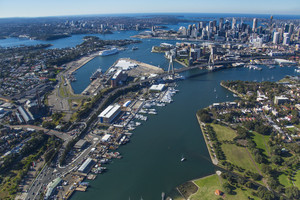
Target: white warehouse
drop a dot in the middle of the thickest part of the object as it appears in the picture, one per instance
(110, 113)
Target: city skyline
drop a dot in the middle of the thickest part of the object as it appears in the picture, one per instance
(33, 8)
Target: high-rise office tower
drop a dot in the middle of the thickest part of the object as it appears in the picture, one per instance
(276, 38)
(286, 28)
(189, 30)
(200, 25)
(233, 23)
(214, 23)
(210, 25)
(221, 23)
(291, 29)
(254, 24)
(286, 39)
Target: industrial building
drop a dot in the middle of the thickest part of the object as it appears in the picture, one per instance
(118, 77)
(23, 115)
(86, 166)
(81, 144)
(109, 114)
(125, 65)
(157, 88)
(51, 187)
(106, 138)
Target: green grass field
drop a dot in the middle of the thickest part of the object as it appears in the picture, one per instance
(238, 156)
(208, 185)
(283, 180)
(223, 132)
(261, 142)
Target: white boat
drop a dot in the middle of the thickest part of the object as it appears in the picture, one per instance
(152, 113)
(108, 52)
(138, 123)
(182, 159)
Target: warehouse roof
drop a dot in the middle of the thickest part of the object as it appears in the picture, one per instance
(110, 111)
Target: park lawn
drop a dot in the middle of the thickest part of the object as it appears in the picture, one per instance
(208, 185)
(238, 156)
(297, 179)
(298, 125)
(283, 180)
(262, 142)
(223, 132)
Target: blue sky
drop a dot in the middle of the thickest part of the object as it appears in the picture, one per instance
(36, 8)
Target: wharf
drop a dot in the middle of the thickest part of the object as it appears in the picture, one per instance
(75, 65)
(81, 188)
(68, 194)
(92, 87)
(91, 176)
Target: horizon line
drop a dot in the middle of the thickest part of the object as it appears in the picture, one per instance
(146, 13)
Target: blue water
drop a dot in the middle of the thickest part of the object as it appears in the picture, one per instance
(65, 42)
(151, 163)
(143, 54)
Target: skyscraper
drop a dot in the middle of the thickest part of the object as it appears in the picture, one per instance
(276, 38)
(221, 23)
(291, 29)
(286, 39)
(200, 25)
(210, 25)
(233, 23)
(286, 28)
(254, 24)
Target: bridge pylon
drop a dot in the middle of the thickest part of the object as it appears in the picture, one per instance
(211, 62)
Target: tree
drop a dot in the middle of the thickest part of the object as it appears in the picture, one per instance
(276, 159)
(255, 176)
(241, 180)
(249, 184)
(48, 125)
(242, 133)
(49, 155)
(266, 169)
(276, 150)
(264, 194)
(263, 129)
(292, 193)
(258, 158)
(205, 118)
(272, 183)
(249, 125)
(227, 188)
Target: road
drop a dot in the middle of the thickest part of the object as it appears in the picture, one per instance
(49, 173)
(64, 136)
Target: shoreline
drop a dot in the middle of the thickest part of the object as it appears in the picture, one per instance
(73, 66)
(77, 64)
(233, 91)
(214, 160)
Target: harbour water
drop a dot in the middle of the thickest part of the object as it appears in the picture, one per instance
(151, 161)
